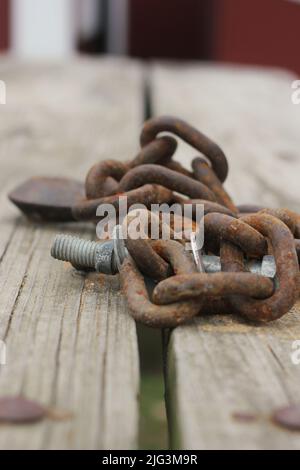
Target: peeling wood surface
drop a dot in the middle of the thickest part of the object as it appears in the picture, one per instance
(70, 342)
(221, 369)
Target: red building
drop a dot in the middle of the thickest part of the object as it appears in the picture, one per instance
(262, 32)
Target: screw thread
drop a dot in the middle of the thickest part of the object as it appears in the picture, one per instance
(77, 251)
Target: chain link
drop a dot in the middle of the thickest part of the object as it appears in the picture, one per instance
(240, 235)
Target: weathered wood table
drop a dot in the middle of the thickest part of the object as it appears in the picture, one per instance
(70, 341)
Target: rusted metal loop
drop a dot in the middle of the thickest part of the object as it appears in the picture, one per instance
(208, 206)
(168, 178)
(297, 224)
(290, 218)
(287, 269)
(140, 305)
(142, 249)
(249, 208)
(219, 227)
(148, 262)
(147, 195)
(206, 175)
(163, 230)
(284, 215)
(102, 179)
(187, 286)
(297, 246)
(158, 150)
(216, 306)
(189, 134)
(176, 255)
(176, 166)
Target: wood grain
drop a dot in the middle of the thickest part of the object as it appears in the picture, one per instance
(249, 112)
(220, 368)
(71, 344)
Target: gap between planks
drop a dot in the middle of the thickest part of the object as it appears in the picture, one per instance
(217, 366)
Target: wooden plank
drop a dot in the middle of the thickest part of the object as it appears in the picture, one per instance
(249, 112)
(70, 341)
(220, 366)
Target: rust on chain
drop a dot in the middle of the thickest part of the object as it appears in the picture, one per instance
(290, 218)
(176, 166)
(186, 286)
(141, 249)
(147, 222)
(216, 306)
(147, 195)
(249, 208)
(208, 206)
(158, 150)
(219, 227)
(287, 271)
(297, 246)
(183, 226)
(102, 179)
(297, 225)
(237, 233)
(206, 175)
(284, 215)
(189, 134)
(170, 179)
(140, 305)
(231, 257)
(148, 262)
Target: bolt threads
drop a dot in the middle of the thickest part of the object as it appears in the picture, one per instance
(77, 251)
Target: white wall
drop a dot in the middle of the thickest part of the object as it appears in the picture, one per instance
(48, 29)
(43, 29)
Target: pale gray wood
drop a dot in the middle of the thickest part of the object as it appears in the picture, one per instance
(218, 366)
(249, 112)
(70, 342)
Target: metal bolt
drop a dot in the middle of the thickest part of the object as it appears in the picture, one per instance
(107, 257)
(266, 267)
(104, 257)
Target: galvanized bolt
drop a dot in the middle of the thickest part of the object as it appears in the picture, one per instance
(107, 257)
(266, 267)
(104, 257)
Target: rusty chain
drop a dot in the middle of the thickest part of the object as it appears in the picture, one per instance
(235, 233)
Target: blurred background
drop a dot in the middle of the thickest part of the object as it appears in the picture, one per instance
(258, 32)
(239, 31)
